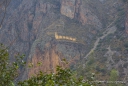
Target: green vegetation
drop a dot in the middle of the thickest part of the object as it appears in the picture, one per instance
(9, 72)
(113, 77)
(63, 77)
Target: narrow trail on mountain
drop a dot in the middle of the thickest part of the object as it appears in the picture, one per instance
(110, 30)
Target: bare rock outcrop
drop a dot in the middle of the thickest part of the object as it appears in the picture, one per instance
(75, 9)
(68, 8)
(46, 61)
(126, 22)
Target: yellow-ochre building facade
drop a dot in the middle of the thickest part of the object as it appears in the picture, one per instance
(64, 37)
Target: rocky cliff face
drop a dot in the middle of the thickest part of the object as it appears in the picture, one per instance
(30, 28)
(126, 21)
(45, 61)
(76, 9)
(68, 8)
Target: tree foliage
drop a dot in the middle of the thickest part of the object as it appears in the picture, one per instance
(9, 72)
(63, 77)
(6, 71)
(113, 77)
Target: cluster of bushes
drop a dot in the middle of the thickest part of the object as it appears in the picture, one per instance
(9, 72)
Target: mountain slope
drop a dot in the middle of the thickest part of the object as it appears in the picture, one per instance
(31, 25)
